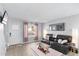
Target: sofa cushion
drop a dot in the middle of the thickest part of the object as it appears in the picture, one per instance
(61, 48)
(63, 41)
(59, 41)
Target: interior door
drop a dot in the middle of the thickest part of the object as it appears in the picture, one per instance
(14, 33)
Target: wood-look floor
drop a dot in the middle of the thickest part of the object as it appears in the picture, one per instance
(19, 50)
(24, 50)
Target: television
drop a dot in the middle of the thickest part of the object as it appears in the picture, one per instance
(57, 27)
(4, 18)
(1, 17)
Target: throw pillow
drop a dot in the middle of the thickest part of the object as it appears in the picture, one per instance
(59, 40)
(64, 41)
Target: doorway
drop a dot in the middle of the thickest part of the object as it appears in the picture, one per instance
(30, 32)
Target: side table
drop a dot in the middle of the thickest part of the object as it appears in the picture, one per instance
(75, 50)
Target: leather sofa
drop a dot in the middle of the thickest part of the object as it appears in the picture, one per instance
(64, 48)
(61, 48)
(46, 41)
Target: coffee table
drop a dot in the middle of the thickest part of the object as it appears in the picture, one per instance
(37, 52)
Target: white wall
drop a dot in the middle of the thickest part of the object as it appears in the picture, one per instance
(15, 27)
(2, 37)
(40, 31)
(2, 41)
(71, 23)
(17, 34)
(1, 10)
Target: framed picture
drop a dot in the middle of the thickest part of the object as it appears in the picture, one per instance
(57, 27)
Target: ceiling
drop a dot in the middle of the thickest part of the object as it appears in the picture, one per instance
(40, 12)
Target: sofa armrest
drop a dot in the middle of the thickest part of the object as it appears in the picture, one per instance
(61, 48)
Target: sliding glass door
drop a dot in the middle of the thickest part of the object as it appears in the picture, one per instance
(30, 32)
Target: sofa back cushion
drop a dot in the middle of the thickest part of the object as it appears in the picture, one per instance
(64, 41)
(65, 37)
